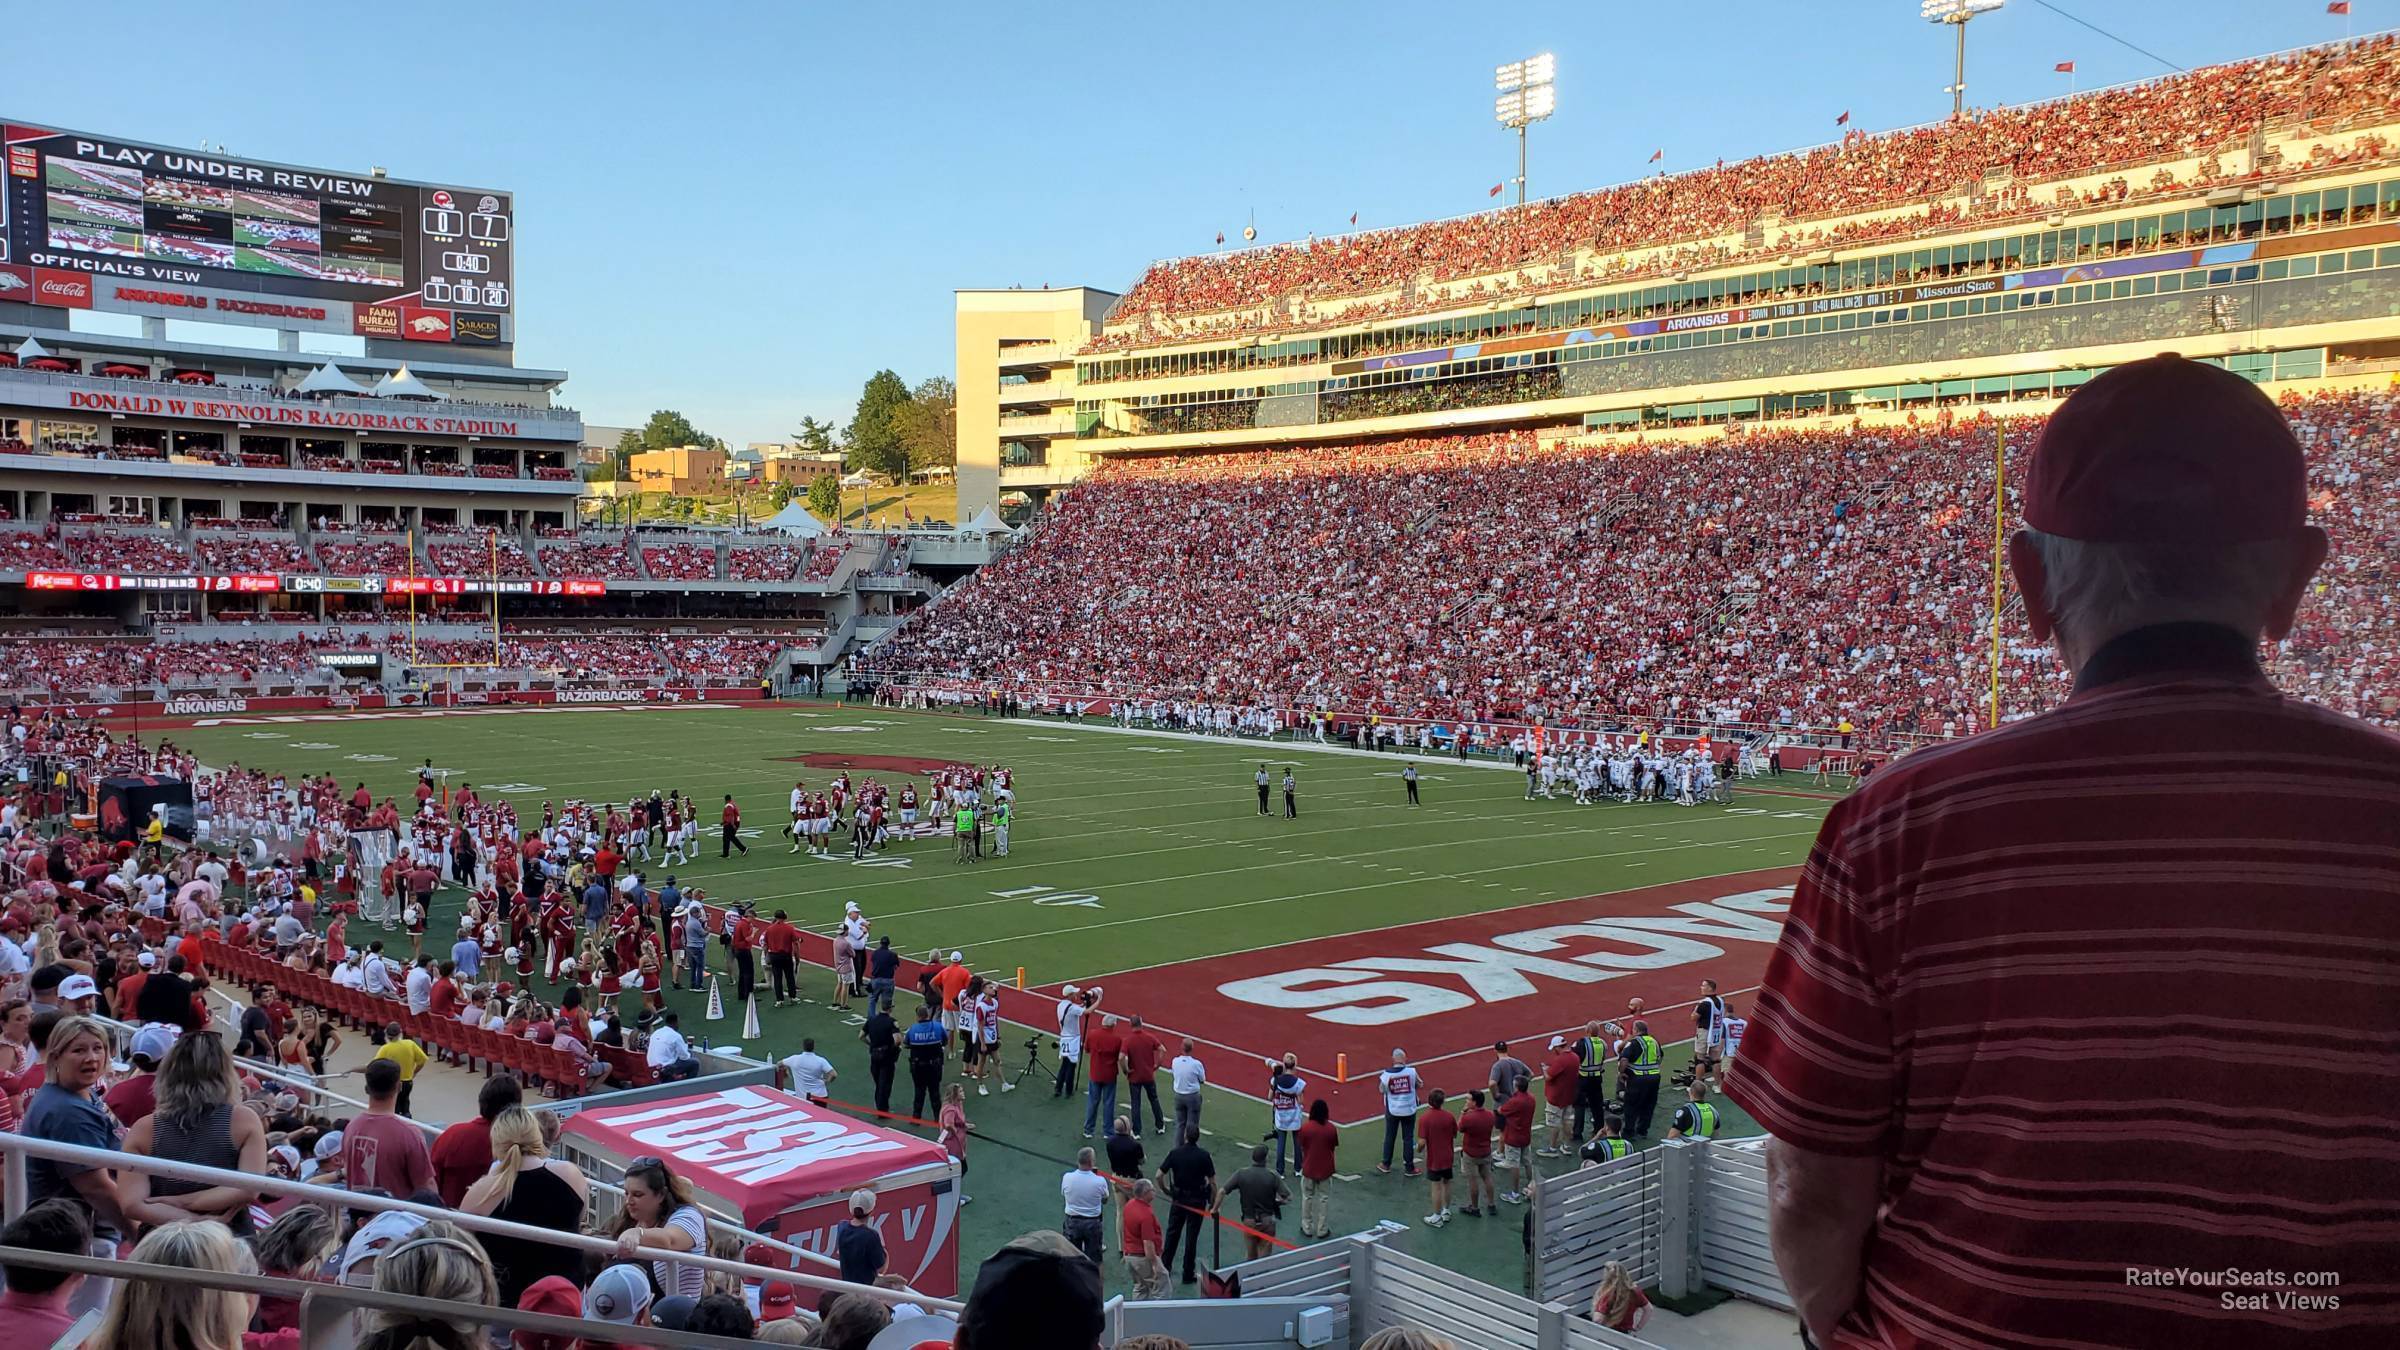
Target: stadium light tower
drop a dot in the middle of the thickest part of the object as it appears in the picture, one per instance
(1956, 13)
(1528, 95)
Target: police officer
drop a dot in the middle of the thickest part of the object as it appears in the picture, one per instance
(1638, 1081)
(1408, 775)
(927, 1044)
(1591, 1078)
(1610, 1144)
(1697, 1117)
(1262, 791)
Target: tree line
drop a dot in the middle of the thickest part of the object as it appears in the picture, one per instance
(894, 431)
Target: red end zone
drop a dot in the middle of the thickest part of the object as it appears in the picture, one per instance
(1446, 989)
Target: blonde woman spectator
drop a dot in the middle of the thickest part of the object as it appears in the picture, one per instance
(199, 1120)
(154, 1314)
(1619, 1304)
(440, 1262)
(528, 1186)
(1406, 1338)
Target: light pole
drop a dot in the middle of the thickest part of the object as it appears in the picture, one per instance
(1527, 95)
(1956, 13)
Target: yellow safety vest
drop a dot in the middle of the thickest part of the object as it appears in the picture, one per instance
(1595, 1058)
(1645, 1060)
(1611, 1149)
(1705, 1117)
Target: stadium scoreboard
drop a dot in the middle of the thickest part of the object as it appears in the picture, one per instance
(101, 223)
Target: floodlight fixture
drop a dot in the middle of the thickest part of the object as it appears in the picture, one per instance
(1957, 13)
(1528, 94)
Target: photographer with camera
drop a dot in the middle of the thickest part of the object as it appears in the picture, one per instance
(1073, 1004)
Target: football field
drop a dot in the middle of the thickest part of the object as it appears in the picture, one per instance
(1140, 863)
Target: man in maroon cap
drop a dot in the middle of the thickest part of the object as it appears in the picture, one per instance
(2070, 1011)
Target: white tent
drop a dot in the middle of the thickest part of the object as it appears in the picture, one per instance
(401, 384)
(29, 349)
(986, 521)
(859, 479)
(326, 380)
(794, 519)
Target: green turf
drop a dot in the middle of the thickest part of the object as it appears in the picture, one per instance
(1161, 831)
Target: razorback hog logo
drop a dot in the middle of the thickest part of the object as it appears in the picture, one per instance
(183, 707)
(829, 759)
(1361, 992)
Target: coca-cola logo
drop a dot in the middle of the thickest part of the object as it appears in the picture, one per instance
(69, 290)
(185, 707)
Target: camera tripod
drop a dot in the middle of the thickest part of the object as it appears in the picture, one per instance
(1033, 1061)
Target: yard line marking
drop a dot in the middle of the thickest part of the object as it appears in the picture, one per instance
(1312, 895)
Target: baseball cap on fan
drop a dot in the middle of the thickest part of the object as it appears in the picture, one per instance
(2166, 450)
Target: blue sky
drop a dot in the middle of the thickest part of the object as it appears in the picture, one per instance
(742, 210)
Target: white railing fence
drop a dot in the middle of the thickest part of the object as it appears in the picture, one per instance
(1733, 1250)
(1370, 1283)
(1583, 1221)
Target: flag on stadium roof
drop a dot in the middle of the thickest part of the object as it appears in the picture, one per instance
(1220, 236)
(1844, 119)
(1494, 192)
(2338, 7)
(1657, 155)
(1354, 217)
(2064, 67)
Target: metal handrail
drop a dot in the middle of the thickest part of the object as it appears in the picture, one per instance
(728, 1222)
(18, 1148)
(350, 1298)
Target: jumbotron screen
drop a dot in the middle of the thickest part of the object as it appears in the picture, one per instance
(153, 230)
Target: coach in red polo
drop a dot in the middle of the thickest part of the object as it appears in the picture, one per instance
(2065, 1010)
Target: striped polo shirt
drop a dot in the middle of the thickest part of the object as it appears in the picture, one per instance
(2115, 994)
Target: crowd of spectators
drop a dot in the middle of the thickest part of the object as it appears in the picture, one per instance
(824, 559)
(1698, 219)
(457, 556)
(27, 550)
(251, 553)
(764, 562)
(147, 551)
(587, 557)
(1790, 578)
(363, 555)
(85, 667)
(682, 562)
